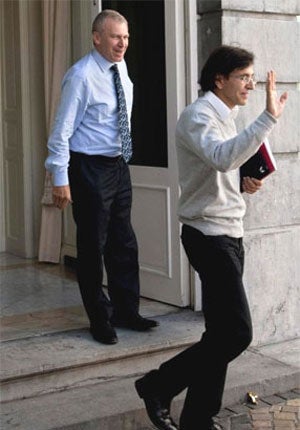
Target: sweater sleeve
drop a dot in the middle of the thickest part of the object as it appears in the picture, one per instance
(216, 142)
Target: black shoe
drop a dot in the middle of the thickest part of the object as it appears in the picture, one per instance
(158, 410)
(211, 424)
(104, 333)
(136, 322)
(216, 426)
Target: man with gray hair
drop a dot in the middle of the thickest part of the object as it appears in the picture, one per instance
(89, 148)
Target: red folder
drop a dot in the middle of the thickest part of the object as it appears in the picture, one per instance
(261, 164)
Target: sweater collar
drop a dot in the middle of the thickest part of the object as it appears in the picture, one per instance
(222, 109)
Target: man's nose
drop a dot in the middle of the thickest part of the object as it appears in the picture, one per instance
(251, 84)
(122, 42)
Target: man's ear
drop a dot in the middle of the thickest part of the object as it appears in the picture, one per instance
(96, 38)
(219, 81)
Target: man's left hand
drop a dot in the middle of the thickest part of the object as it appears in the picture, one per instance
(61, 196)
(275, 104)
(251, 185)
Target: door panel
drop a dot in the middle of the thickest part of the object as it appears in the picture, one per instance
(23, 125)
(153, 202)
(12, 130)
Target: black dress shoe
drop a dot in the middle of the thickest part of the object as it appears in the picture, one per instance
(104, 333)
(158, 410)
(135, 322)
(211, 424)
(216, 426)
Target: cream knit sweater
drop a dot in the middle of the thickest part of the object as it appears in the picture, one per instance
(209, 153)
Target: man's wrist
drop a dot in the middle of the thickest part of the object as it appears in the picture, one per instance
(60, 179)
(271, 116)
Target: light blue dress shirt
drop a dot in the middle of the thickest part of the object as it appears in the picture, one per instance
(87, 116)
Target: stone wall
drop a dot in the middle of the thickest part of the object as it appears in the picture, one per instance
(269, 28)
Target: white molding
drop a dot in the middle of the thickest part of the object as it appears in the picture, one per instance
(192, 88)
(95, 8)
(82, 17)
(2, 208)
(26, 127)
(191, 40)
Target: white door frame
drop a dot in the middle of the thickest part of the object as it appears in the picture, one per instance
(192, 89)
(2, 208)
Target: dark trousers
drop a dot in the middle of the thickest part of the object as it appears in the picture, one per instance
(219, 261)
(102, 196)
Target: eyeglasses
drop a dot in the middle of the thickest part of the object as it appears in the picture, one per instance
(246, 79)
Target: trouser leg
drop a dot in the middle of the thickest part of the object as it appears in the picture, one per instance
(121, 251)
(102, 197)
(202, 367)
(93, 187)
(219, 260)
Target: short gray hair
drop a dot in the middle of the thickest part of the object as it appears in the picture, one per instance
(100, 19)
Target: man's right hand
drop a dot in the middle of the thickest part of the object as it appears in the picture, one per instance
(61, 196)
(275, 105)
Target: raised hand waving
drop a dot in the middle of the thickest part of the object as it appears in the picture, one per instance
(275, 105)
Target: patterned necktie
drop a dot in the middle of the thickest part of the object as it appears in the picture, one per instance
(123, 117)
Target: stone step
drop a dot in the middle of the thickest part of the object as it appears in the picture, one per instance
(58, 361)
(114, 404)
(66, 380)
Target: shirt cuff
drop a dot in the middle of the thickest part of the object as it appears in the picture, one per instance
(60, 179)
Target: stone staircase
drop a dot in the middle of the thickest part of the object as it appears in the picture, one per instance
(65, 380)
(59, 361)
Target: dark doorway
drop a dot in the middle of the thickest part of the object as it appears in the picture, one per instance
(146, 65)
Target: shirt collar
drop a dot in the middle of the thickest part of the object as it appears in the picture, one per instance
(104, 64)
(223, 110)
